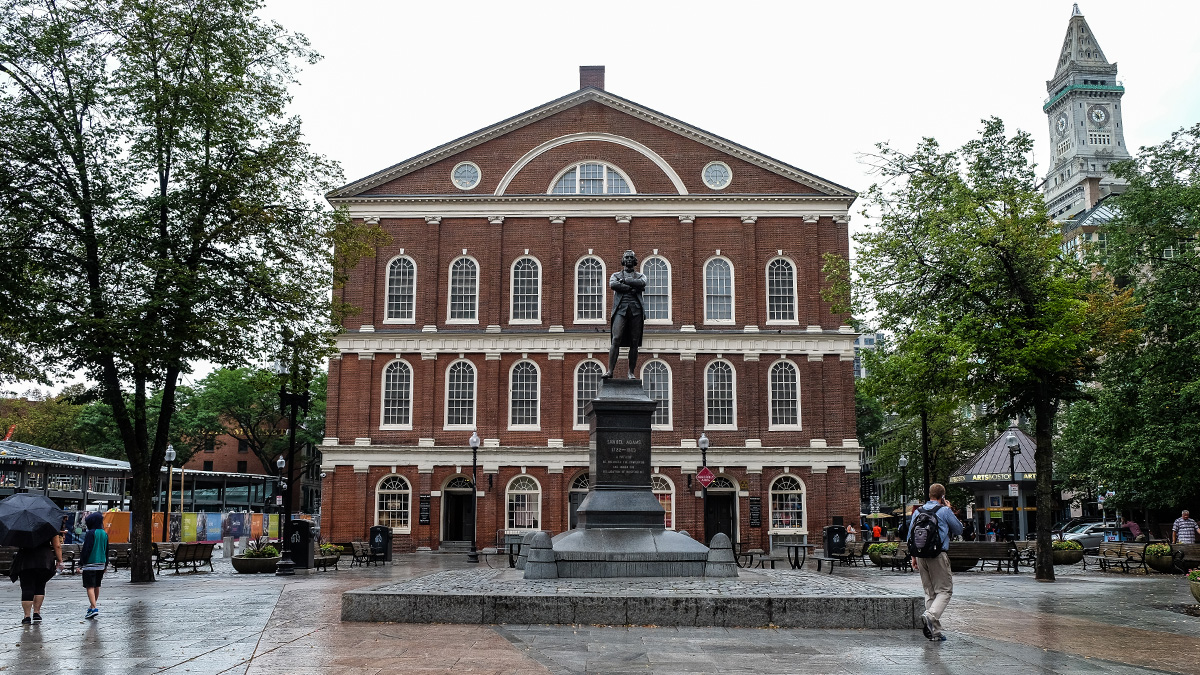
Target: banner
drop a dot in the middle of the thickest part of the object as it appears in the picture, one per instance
(156, 527)
(273, 531)
(116, 524)
(174, 526)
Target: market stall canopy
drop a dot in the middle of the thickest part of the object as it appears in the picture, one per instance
(991, 464)
(880, 515)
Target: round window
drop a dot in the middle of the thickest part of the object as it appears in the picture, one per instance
(465, 175)
(717, 175)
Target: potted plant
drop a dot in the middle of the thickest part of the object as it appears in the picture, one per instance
(1066, 551)
(1193, 577)
(876, 552)
(1158, 556)
(258, 557)
(327, 554)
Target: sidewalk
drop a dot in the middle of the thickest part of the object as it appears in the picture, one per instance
(223, 622)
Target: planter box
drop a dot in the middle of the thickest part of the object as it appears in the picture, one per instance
(254, 565)
(1067, 557)
(1161, 563)
(1195, 585)
(323, 561)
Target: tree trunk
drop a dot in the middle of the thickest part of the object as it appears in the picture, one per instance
(925, 451)
(1044, 463)
(141, 505)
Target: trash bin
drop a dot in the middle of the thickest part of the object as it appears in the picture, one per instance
(381, 542)
(303, 543)
(834, 539)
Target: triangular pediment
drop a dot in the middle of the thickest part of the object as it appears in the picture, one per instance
(1080, 50)
(584, 96)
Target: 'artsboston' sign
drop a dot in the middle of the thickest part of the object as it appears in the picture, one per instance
(991, 477)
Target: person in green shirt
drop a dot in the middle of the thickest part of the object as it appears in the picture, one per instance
(95, 559)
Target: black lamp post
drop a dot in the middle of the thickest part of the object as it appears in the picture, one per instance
(903, 486)
(703, 443)
(293, 401)
(1014, 449)
(473, 556)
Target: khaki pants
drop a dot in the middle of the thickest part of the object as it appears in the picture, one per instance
(939, 586)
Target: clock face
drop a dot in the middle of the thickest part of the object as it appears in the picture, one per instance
(465, 176)
(1098, 115)
(1061, 124)
(717, 175)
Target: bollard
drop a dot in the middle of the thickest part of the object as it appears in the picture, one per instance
(540, 564)
(721, 562)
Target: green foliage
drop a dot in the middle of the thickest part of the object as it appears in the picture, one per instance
(1193, 575)
(1158, 549)
(46, 421)
(883, 549)
(1066, 545)
(1140, 435)
(259, 548)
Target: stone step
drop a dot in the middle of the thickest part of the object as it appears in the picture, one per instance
(454, 547)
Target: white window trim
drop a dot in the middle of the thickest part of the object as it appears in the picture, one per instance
(537, 426)
(474, 398)
(674, 495)
(670, 291)
(396, 530)
(771, 529)
(733, 371)
(387, 271)
(450, 290)
(478, 176)
(704, 176)
(540, 493)
(607, 165)
(412, 373)
(512, 296)
(771, 426)
(795, 321)
(603, 291)
(670, 425)
(575, 391)
(732, 293)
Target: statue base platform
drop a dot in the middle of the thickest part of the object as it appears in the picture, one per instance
(628, 552)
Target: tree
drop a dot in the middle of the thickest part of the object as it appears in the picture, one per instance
(1140, 436)
(964, 260)
(158, 206)
(46, 421)
(244, 403)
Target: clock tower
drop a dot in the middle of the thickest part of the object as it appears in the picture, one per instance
(1083, 112)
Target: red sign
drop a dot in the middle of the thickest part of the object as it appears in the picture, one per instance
(10, 432)
(706, 477)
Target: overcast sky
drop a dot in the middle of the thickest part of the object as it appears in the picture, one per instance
(811, 84)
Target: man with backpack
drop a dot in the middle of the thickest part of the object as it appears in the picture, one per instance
(929, 533)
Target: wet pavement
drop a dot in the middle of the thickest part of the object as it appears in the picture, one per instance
(222, 622)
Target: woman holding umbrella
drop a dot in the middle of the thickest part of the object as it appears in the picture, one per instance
(31, 522)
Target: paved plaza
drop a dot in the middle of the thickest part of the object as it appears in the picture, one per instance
(222, 622)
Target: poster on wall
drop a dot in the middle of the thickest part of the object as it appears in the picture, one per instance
(174, 526)
(273, 527)
(188, 532)
(156, 527)
(256, 525)
(235, 525)
(994, 501)
(214, 527)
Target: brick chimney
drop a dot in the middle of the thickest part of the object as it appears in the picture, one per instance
(591, 76)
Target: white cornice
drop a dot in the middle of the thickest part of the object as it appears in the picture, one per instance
(570, 101)
(813, 344)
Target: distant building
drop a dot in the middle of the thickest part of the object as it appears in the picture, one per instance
(864, 341)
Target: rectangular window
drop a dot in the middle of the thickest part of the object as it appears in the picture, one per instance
(243, 445)
(210, 444)
(208, 465)
(591, 179)
(463, 290)
(589, 290)
(526, 287)
(1097, 138)
(657, 296)
(241, 467)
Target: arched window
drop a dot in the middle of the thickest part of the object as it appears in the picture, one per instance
(401, 291)
(577, 493)
(524, 504)
(394, 502)
(656, 380)
(657, 297)
(464, 291)
(720, 408)
(460, 396)
(718, 291)
(785, 395)
(665, 492)
(526, 291)
(397, 396)
(458, 483)
(781, 291)
(590, 290)
(787, 504)
(591, 178)
(587, 386)
(523, 396)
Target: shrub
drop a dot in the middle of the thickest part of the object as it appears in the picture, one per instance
(1066, 545)
(883, 549)
(259, 548)
(1158, 549)
(1193, 575)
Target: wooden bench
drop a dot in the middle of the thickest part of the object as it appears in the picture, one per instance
(194, 554)
(164, 553)
(363, 555)
(852, 556)
(7, 553)
(900, 561)
(1186, 556)
(70, 555)
(1123, 555)
(118, 555)
(1003, 553)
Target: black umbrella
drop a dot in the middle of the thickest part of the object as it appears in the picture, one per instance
(28, 519)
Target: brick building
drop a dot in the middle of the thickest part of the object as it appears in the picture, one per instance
(489, 311)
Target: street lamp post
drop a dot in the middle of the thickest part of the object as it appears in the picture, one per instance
(1014, 449)
(170, 457)
(903, 486)
(473, 556)
(703, 443)
(293, 401)
(286, 566)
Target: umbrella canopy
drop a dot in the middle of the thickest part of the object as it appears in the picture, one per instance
(877, 515)
(28, 519)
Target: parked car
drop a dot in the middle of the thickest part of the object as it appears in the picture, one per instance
(1063, 526)
(1089, 535)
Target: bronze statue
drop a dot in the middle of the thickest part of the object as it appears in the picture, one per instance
(627, 314)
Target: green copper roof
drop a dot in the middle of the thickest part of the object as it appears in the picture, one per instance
(1088, 87)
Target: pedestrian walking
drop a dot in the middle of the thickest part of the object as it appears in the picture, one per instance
(95, 559)
(929, 533)
(876, 532)
(850, 532)
(969, 530)
(33, 566)
(1184, 529)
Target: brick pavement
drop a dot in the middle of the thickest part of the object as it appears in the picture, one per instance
(227, 623)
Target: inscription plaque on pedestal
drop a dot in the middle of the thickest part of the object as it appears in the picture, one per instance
(622, 458)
